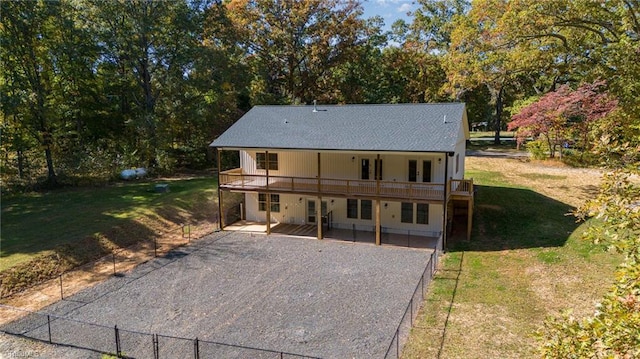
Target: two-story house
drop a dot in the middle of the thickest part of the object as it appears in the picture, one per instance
(399, 166)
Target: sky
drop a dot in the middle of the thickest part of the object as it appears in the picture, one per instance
(389, 10)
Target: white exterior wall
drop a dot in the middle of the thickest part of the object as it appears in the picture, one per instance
(293, 211)
(461, 147)
(395, 167)
(342, 165)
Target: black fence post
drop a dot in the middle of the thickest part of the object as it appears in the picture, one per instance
(49, 326)
(411, 312)
(408, 238)
(155, 247)
(434, 258)
(196, 349)
(113, 254)
(189, 232)
(154, 339)
(118, 352)
(398, 343)
(354, 232)
(61, 292)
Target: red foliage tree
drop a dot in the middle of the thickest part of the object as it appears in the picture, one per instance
(564, 115)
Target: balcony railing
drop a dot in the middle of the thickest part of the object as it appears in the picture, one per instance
(416, 191)
(461, 187)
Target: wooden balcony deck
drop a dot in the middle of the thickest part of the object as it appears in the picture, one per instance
(235, 180)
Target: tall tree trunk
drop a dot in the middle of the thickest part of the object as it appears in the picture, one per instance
(20, 156)
(52, 179)
(498, 119)
(45, 130)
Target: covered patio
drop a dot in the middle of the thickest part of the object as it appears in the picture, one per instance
(419, 240)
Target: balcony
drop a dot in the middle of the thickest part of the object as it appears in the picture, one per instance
(235, 180)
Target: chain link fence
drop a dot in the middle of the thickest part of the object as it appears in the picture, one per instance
(413, 307)
(123, 343)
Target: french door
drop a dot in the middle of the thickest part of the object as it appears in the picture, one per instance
(311, 211)
(414, 173)
(365, 169)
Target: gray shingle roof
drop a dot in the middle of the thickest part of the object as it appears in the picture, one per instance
(401, 127)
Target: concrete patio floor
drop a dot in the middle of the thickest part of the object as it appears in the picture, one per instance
(336, 234)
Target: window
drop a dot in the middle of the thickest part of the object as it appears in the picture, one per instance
(365, 209)
(262, 202)
(275, 203)
(352, 208)
(261, 161)
(422, 213)
(457, 163)
(406, 213)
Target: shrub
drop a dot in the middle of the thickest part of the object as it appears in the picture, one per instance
(539, 149)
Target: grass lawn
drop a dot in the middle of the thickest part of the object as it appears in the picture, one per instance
(37, 223)
(525, 262)
(490, 134)
(504, 146)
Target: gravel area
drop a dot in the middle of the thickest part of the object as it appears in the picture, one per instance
(325, 299)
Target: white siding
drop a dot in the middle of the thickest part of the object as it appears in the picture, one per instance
(460, 151)
(248, 161)
(292, 210)
(395, 167)
(347, 166)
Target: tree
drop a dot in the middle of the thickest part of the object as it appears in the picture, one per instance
(564, 115)
(293, 46)
(594, 40)
(476, 57)
(485, 52)
(28, 72)
(47, 72)
(433, 22)
(148, 54)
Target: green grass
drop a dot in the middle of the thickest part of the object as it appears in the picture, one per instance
(526, 261)
(489, 134)
(504, 146)
(39, 222)
(542, 176)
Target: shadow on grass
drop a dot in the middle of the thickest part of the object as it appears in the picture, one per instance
(60, 230)
(514, 218)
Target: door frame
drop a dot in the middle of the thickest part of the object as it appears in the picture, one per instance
(324, 209)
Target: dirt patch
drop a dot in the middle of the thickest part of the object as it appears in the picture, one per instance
(569, 185)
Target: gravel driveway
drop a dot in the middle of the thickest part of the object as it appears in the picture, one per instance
(325, 299)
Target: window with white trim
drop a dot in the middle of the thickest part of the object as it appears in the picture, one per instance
(275, 202)
(261, 161)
